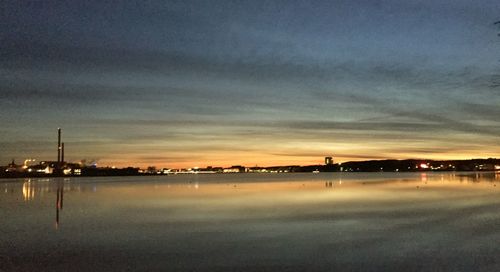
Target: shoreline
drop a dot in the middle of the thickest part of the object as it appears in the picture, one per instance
(235, 174)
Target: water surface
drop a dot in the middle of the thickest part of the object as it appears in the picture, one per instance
(258, 222)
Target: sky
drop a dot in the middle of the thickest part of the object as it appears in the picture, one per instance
(221, 83)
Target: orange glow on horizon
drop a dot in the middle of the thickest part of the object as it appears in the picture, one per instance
(267, 161)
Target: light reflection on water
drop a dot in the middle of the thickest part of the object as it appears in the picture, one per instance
(38, 187)
(347, 221)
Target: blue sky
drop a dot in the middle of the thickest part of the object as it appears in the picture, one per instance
(195, 83)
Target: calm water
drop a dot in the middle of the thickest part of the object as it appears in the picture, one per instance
(258, 222)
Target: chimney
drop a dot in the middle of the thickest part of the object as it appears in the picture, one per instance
(59, 145)
(62, 153)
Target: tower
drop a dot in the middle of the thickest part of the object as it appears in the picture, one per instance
(62, 153)
(59, 146)
(328, 161)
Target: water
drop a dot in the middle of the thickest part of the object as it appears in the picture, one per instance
(253, 222)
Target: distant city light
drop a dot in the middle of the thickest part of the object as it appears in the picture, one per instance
(424, 165)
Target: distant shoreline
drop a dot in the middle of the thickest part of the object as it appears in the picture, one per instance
(411, 165)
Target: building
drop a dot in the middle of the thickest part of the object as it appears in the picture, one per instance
(328, 161)
(235, 169)
(47, 167)
(13, 167)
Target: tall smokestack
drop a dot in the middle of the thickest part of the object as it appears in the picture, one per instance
(59, 145)
(62, 153)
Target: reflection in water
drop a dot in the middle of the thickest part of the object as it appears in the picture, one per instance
(477, 177)
(423, 177)
(42, 188)
(59, 201)
(379, 221)
(28, 190)
(38, 189)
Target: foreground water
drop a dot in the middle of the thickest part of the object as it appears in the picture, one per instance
(258, 222)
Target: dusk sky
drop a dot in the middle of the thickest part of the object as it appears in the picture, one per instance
(197, 83)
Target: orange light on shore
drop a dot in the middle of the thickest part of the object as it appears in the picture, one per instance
(424, 166)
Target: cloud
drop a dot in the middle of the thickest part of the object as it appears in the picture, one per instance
(230, 76)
